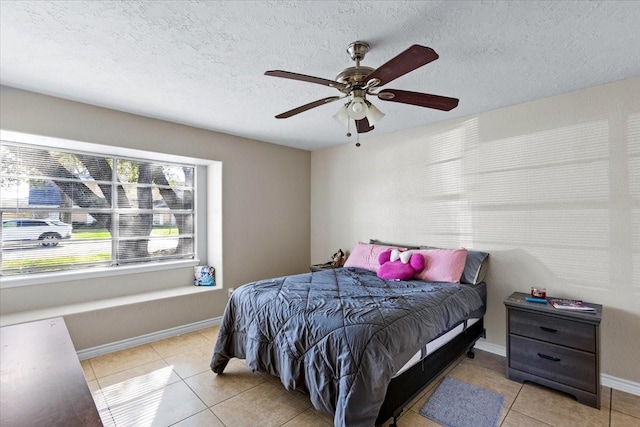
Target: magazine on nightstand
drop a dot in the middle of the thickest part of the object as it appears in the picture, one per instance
(570, 304)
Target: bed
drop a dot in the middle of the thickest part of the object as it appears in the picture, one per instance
(356, 344)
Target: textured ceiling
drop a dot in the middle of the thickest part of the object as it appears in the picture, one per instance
(202, 63)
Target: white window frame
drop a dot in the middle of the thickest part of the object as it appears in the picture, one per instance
(207, 213)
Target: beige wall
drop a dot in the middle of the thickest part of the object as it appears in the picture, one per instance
(266, 203)
(551, 188)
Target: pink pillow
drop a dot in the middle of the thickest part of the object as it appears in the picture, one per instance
(365, 255)
(443, 265)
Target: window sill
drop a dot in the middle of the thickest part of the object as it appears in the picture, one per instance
(67, 310)
(64, 276)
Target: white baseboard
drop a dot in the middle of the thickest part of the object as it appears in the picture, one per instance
(145, 339)
(606, 380)
(482, 344)
(620, 384)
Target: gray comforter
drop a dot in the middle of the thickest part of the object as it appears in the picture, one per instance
(338, 335)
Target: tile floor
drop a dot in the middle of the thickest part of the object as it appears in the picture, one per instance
(169, 383)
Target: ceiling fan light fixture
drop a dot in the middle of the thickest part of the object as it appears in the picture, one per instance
(373, 114)
(342, 116)
(357, 108)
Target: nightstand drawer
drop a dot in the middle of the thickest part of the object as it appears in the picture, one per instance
(574, 368)
(554, 330)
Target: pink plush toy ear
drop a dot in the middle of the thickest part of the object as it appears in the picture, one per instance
(384, 256)
(417, 262)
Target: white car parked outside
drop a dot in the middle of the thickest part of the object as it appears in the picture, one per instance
(45, 231)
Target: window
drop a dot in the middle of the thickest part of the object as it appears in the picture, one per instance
(63, 209)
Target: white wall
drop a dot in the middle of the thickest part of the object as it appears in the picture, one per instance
(550, 188)
(265, 226)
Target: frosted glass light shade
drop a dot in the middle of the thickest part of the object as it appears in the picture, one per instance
(342, 116)
(374, 115)
(357, 108)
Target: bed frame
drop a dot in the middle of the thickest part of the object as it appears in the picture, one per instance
(408, 385)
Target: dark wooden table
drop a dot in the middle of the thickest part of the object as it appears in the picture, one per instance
(41, 380)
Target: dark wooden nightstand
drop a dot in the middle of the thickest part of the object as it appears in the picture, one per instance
(555, 348)
(320, 267)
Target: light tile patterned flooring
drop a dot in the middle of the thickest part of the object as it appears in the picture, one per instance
(169, 383)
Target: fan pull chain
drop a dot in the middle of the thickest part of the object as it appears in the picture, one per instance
(349, 133)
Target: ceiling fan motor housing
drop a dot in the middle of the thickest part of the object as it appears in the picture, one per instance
(354, 77)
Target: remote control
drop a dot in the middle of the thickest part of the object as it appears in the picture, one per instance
(538, 300)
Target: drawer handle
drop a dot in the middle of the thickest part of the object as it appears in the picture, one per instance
(544, 356)
(548, 329)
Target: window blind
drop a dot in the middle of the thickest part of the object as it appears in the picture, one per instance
(121, 210)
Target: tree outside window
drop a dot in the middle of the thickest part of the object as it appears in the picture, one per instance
(122, 210)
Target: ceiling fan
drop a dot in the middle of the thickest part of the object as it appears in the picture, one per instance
(357, 82)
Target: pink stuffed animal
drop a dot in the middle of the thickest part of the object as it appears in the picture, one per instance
(396, 265)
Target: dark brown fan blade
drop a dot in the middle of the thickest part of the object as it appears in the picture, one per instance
(308, 106)
(363, 125)
(414, 57)
(420, 99)
(304, 78)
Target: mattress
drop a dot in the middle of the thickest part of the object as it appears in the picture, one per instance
(435, 344)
